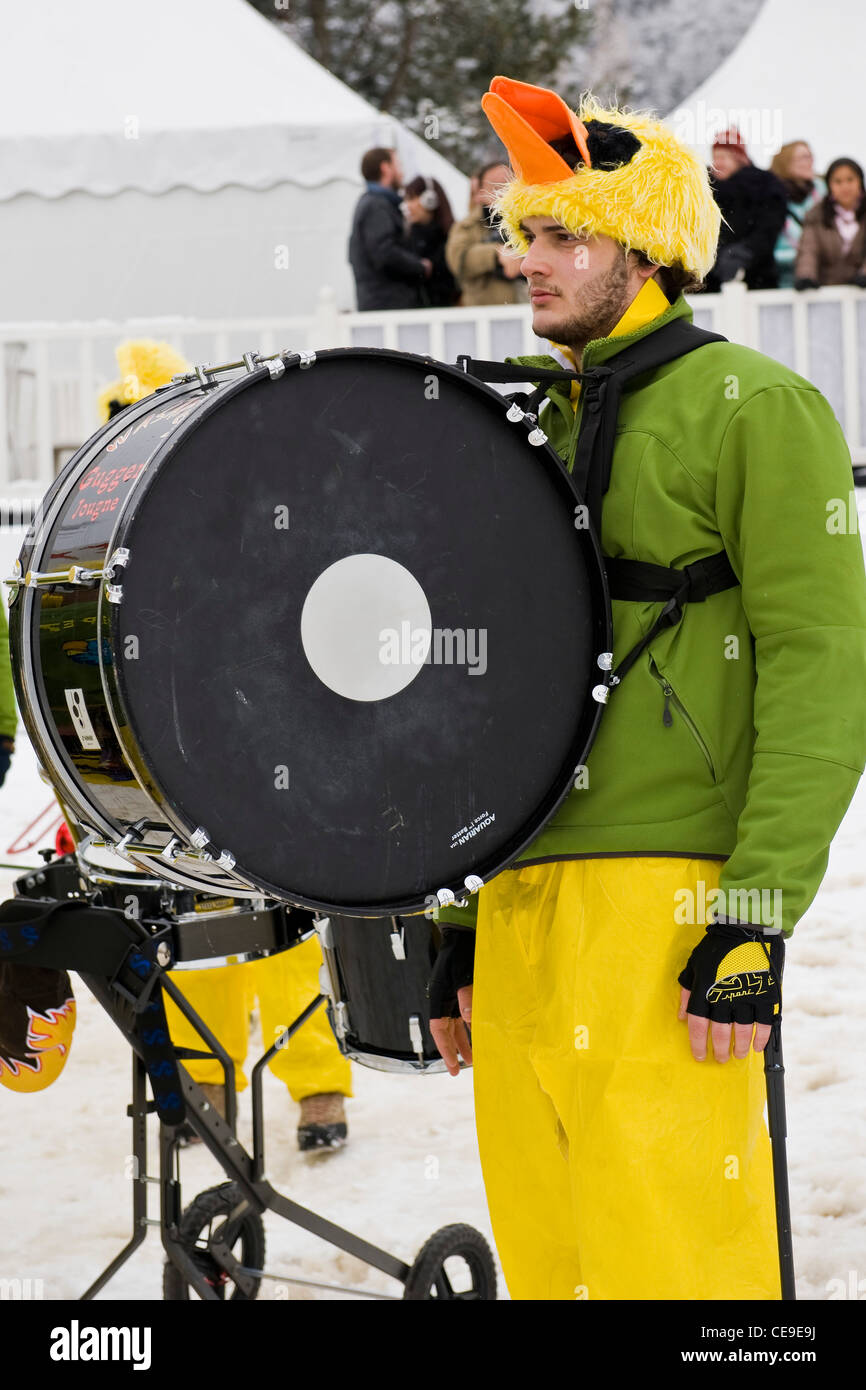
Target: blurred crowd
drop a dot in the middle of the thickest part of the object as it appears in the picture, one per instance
(407, 250)
(782, 227)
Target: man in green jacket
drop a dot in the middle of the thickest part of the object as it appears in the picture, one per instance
(643, 930)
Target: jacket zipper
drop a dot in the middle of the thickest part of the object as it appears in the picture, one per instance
(671, 698)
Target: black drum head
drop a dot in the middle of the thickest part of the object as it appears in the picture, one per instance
(366, 628)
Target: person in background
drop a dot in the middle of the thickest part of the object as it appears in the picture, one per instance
(430, 220)
(794, 167)
(388, 273)
(754, 205)
(8, 711)
(832, 248)
(486, 271)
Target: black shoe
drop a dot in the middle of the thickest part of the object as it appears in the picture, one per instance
(323, 1122)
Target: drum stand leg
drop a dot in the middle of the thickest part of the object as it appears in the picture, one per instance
(219, 1137)
(137, 1111)
(258, 1072)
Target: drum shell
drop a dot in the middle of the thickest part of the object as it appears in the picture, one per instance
(123, 791)
(61, 640)
(373, 993)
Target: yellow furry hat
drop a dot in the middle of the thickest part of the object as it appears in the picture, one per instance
(602, 172)
(144, 365)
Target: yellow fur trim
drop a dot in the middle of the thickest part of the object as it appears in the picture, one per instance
(144, 365)
(660, 203)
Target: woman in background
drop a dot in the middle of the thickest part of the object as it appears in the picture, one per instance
(832, 248)
(430, 220)
(795, 167)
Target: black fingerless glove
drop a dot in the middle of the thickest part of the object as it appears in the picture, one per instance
(454, 968)
(804, 284)
(735, 975)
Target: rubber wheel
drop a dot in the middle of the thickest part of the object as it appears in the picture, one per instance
(428, 1277)
(246, 1242)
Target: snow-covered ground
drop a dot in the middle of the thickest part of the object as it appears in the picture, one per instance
(411, 1164)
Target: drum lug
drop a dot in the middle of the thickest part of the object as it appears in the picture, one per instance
(416, 1037)
(114, 593)
(325, 933)
(601, 693)
(473, 883)
(398, 944)
(118, 560)
(341, 1020)
(170, 853)
(537, 436)
(604, 660)
(199, 838)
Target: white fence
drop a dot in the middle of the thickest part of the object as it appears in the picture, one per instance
(53, 372)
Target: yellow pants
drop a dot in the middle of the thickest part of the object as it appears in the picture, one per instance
(616, 1166)
(285, 984)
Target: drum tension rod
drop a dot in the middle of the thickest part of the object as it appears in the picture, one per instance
(34, 579)
(250, 362)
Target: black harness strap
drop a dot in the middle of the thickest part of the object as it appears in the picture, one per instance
(641, 582)
(601, 392)
(645, 583)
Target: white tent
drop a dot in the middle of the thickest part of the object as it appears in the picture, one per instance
(796, 74)
(182, 157)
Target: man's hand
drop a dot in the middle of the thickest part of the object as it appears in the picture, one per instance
(732, 981)
(428, 266)
(699, 1028)
(451, 1035)
(450, 994)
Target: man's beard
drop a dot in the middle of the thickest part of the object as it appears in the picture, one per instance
(601, 307)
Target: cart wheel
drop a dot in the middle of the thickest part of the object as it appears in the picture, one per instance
(428, 1277)
(246, 1241)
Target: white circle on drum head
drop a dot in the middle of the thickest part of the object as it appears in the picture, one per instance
(366, 627)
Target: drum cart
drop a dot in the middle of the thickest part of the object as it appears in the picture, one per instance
(216, 1245)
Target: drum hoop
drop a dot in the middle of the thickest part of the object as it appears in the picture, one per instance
(112, 677)
(22, 616)
(112, 682)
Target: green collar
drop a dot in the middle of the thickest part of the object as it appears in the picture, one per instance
(600, 349)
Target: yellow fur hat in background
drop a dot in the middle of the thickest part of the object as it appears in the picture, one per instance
(144, 365)
(601, 172)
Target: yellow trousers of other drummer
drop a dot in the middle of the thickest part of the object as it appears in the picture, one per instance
(285, 984)
(616, 1166)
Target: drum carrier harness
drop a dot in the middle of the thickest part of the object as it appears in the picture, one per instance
(602, 387)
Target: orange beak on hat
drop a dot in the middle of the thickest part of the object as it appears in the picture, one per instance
(526, 119)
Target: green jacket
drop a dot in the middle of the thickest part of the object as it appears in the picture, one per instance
(741, 732)
(8, 710)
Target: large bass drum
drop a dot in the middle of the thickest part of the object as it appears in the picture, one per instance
(324, 628)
